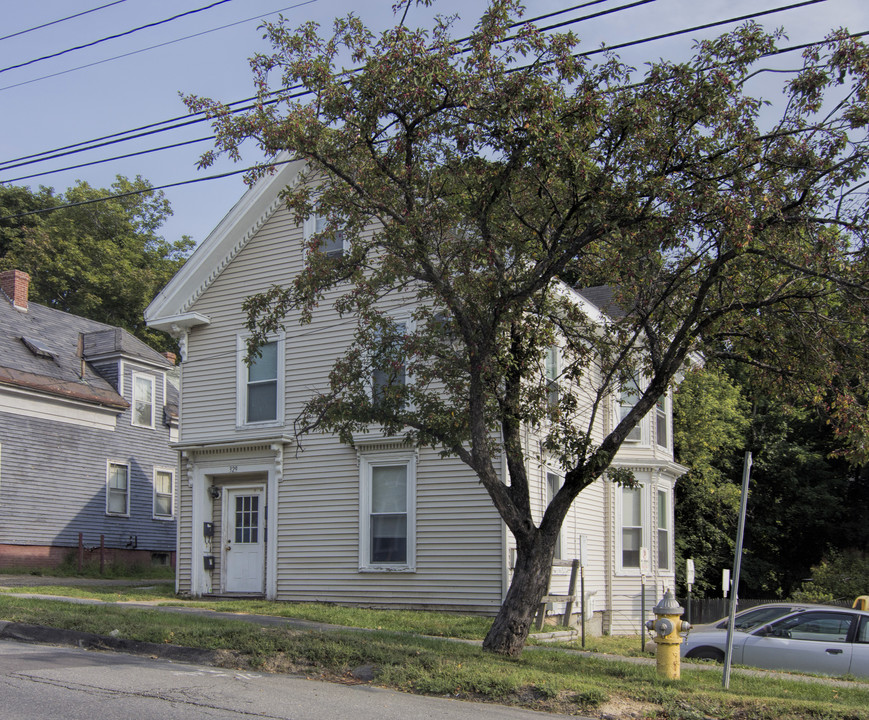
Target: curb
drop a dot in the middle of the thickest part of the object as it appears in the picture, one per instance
(23, 632)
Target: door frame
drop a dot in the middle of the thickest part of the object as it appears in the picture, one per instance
(202, 468)
(255, 487)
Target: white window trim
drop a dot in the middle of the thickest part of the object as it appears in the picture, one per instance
(644, 514)
(171, 515)
(241, 382)
(150, 379)
(366, 462)
(126, 465)
(668, 495)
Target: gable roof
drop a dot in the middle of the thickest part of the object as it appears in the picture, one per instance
(39, 350)
(171, 308)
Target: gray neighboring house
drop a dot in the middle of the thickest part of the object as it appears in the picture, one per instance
(87, 412)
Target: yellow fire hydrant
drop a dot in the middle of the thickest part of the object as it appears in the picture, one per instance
(668, 628)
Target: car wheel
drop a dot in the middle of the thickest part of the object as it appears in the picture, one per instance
(706, 653)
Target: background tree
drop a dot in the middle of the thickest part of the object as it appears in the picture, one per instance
(470, 176)
(711, 419)
(103, 260)
(805, 499)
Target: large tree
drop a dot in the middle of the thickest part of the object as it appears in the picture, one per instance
(473, 175)
(101, 259)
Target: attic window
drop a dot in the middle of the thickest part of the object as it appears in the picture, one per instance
(37, 348)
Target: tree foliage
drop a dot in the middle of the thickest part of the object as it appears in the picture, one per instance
(102, 260)
(711, 420)
(471, 176)
(805, 499)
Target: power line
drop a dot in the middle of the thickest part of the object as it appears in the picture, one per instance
(154, 47)
(183, 121)
(305, 92)
(105, 160)
(113, 37)
(153, 188)
(276, 163)
(60, 20)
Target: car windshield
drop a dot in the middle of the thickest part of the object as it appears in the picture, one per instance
(751, 619)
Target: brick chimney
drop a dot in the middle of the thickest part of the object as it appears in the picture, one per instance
(170, 356)
(15, 284)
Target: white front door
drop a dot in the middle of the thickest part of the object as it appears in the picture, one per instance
(243, 540)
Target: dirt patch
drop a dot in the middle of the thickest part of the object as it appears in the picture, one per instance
(622, 708)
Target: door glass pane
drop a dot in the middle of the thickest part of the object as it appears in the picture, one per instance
(389, 489)
(247, 518)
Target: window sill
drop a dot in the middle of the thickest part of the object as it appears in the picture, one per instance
(387, 569)
(163, 518)
(118, 515)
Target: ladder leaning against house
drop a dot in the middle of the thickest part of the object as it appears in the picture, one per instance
(569, 598)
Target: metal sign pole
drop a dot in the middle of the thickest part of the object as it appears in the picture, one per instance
(734, 588)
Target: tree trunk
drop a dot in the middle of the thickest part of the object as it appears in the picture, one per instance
(530, 582)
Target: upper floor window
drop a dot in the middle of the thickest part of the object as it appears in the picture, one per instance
(388, 366)
(552, 372)
(117, 489)
(332, 243)
(260, 384)
(164, 491)
(662, 435)
(143, 400)
(387, 517)
(630, 394)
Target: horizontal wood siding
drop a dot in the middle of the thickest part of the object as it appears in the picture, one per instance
(53, 481)
(458, 532)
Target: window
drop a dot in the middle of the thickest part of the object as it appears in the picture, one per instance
(387, 527)
(662, 437)
(388, 365)
(664, 543)
(629, 396)
(334, 244)
(553, 485)
(164, 491)
(826, 627)
(143, 400)
(631, 526)
(117, 489)
(260, 384)
(552, 372)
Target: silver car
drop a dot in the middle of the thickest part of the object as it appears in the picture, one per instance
(814, 639)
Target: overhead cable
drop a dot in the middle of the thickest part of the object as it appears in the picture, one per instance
(114, 37)
(60, 20)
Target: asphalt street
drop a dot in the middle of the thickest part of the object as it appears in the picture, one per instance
(39, 682)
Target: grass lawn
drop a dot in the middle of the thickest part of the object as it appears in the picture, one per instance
(542, 678)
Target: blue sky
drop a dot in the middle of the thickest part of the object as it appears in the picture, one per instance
(49, 104)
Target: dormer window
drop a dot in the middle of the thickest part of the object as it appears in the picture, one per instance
(143, 400)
